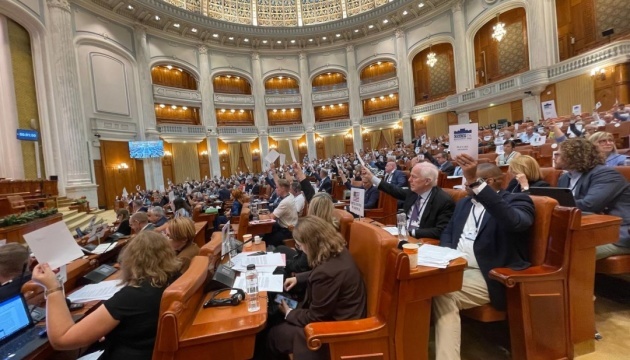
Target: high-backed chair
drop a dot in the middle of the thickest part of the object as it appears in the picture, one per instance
(243, 224)
(345, 220)
(617, 264)
(550, 175)
(490, 156)
(212, 250)
(385, 211)
(624, 170)
(17, 204)
(178, 308)
(456, 194)
(373, 249)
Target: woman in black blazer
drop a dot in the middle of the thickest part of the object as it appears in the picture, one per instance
(526, 174)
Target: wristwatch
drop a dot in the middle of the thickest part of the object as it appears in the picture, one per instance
(478, 182)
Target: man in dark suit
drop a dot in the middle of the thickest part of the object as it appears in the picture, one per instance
(492, 227)
(428, 207)
(597, 188)
(140, 222)
(255, 187)
(441, 161)
(224, 193)
(371, 195)
(393, 176)
(325, 184)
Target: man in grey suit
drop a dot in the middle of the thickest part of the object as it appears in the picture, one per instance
(140, 222)
(596, 188)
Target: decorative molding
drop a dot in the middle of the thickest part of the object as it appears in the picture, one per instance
(350, 48)
(239, 133)
(293, 132)
(283, 99)
(234, 99)
(114, 129)
(379, 86)
(333, 127)
(381, 120)
(165, 94)
(179, 133)
(400, 33)
(333, 95)
(202, 49)
(61, 4)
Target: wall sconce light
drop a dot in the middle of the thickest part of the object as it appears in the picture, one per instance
(365, 131)
(318, 140)
(168, 153)
(204, 153)
(302, 145)
(598, 73)
(272, 146)
(122, 166)
(349, 135)
(255, 151)
(396, 127)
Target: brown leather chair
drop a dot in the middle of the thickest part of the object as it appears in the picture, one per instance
(550, 175)
(373, 249)
(243, 224)
(385, 212)
(624, 170)
(180, 303)
(199, 216)
(212, 250)
(456, 194)
(490, 156)
(345, 219)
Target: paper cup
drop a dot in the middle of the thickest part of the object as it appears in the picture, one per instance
(257, 240)
(246, 238)
(412, 251)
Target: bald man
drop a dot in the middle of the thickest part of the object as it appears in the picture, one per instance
(140, 222)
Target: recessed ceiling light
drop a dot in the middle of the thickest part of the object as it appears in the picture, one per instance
(246, 40)
(242, 111)
(228, 76)
(420, 5)
(292, 110)
(379, 63)
(129, 7)
(356, 30)
(215, 35)
(382, 97)
(264, 41)
(232, 111)
(310, 40)
(275, 110)
(279, 41)
(162, 106)
(292, 41)
(237, 77)
(169, 67)
(370, 26)
(193, 30)
(391, 95)
(338, 35)
(279, 77)
(222, 110)
(173, 107)
(324, 106)
(373, 99)
(324, 38)
(385, 21)
(176, 25)
(284, 110)
(185, 107)
(405, 12)
(231, 38)
(329, 73)
(157, 18)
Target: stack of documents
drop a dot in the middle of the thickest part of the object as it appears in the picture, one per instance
(101, 291)
(102, 248)
(391, 229)
(266, 282)
(264, 263)
(437, 256)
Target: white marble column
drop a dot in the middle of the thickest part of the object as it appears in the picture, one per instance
(531, 107)
(542, 33)
(263, 141)
(407, 128)
(208, 113)
(402, 72)
(357, 137)
(75, 174)
(152, 167)
(11, 165)
(306, 89)
(260, 109)
(311, 147)
(463, 65)
(356, 111)
(213, 145)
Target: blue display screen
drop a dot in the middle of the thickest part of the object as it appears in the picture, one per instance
(26, 134)
(146, 149)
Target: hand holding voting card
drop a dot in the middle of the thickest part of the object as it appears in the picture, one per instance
(360, 158)
(464, 140)
(272, 156)
(357, 199)
(54, 245)
(292, 152)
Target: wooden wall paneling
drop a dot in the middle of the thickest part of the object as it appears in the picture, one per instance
(256, 160)
(179, 115)
(331, 114)
(422, 73)
(329, 79)
(224, 160)
(282, 84)
(549, 93)
(473, 116)
(437, 124)
(139, 174)
(516, 108)
(231, 84)
(613, 87)
(100, 182)
(302, 148)
(452, 118)
(377, 105)
(348, 143)
(321, 151)
(574, 91)
(114, 153)
(174, 77)
(375, 70)
(167, 164)
(204, 159)
(285, 116)
(235, 117)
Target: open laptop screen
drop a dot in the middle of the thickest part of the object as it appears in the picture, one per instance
(14, 317)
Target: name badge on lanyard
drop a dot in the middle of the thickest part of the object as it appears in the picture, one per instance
(472, 234)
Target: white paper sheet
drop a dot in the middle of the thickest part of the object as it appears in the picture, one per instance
(283, 159)
(101, 291)
(292, 151)
(437, 256)
(92, 356)
(272, 156)
(269, 259)
(577, 109)
(391, 229)
(464, 140)
(360, 158)
(102, 248)
(54, 245)
(538, 140)
(266, 282)
(357, 199)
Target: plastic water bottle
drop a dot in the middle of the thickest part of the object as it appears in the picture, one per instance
(402, 226)
(251, 280)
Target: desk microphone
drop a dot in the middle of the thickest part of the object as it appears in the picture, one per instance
(240, 245)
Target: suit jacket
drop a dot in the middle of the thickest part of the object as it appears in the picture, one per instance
(446, 168)
(335, 291)
(515, 187)
(326, 185)
(437, 211)
(398, 178)
(603, 190)
(503, 235)
(256, 189)
(224, 194)
(149, 227)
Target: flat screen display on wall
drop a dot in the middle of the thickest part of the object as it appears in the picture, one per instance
(146, 149)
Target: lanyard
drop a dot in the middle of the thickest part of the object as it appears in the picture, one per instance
(424, 204)
(477, 220)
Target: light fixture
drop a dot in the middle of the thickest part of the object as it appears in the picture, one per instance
(173, 107)
(193, 30)
(228, 76)
(421, 5)
(264, 41)
(292, 41)
(231, 38)
(157, 18)
(170, 67)
(122, 166)
(338, 35)
(324, 38)
(302, 145)
(185, 107)
(385, 21)
(275, 110)
(162, 106)
(237, 77)
(318, 140)
(246, 40)
(332, 106)
(292, 110)
(279, 41)
(215, 35)
(284, 110)
(370, 26)
(382, 97)
(255, 151)
(167, 153)
(379, 63)
(242, 111)
(323, 106)
(273, 146)
(176, 25)
(340, 105)
(598, 73)
(498, 30)
(222, 110)
(373, 99)
(356, 30)
(204, 153)
(232, 111)
(279, 77)
(405, 13)
(310, 40)
(129, 7)
(391, 95)
(223, 152)
(431, 59)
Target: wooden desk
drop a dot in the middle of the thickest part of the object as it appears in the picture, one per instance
(414, 306)
(594, 230)
(200, 233)
(15, 233)
(258, 228)
(340, 205)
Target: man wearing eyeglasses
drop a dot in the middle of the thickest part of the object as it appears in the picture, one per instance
(492, 227)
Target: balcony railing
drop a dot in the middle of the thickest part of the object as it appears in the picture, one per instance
(283, 100)
(286, 129)
(234, 99)
(381, 119)
(281, 91)
(182, 130)
(383, 86)
(330, 87)
(166, 93)
(236, 130)
(325, 97)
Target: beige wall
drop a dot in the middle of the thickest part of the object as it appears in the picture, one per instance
(574, 91)
(490, 115)
(185, 162)
(437, 124)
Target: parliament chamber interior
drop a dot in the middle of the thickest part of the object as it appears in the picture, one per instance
(413, 179)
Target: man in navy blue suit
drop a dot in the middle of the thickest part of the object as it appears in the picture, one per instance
(492, 227)
(394, 176)
(371, 195)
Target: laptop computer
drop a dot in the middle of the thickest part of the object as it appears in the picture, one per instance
(564, 196)
(18, 334)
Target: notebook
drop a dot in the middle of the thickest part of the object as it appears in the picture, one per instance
(18, 334)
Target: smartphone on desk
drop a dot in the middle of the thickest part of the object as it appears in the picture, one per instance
(292, 303)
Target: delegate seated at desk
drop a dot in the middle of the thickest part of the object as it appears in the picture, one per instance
(14, 272)
(371, 194)
(128, 321)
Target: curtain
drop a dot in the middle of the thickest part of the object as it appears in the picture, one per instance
(577, 90)
(284, 148)
(388, 134)
(333, 145)
(185, 162)
(234, 150)
(375, 138)
(247, 156)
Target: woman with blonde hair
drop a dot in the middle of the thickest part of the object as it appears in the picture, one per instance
(321, 205)
(335, 290)
(526, 174)
(605, 144)
(129, 319)
(181, 234)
